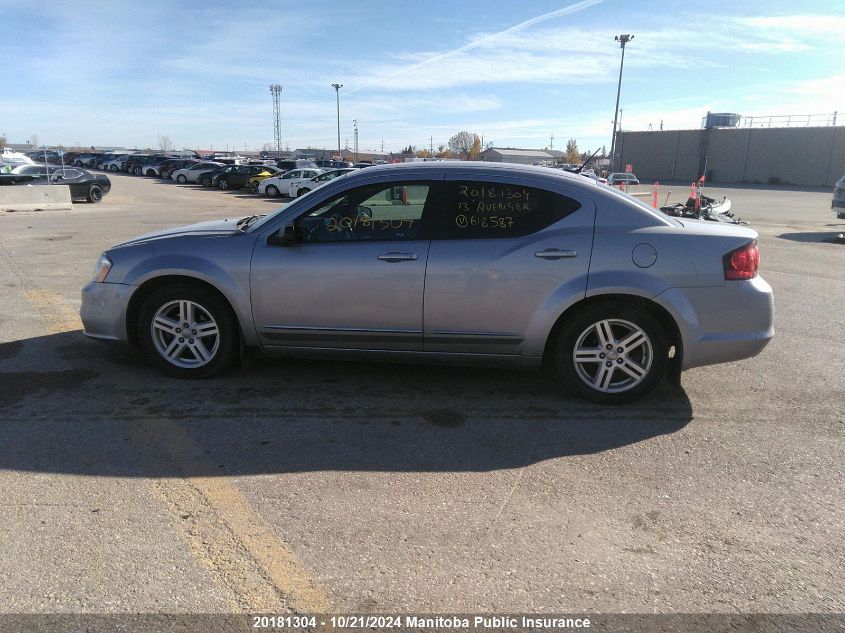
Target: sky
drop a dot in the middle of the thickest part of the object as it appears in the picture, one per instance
(124, 73)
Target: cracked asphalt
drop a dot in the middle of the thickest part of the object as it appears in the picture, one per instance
(301, 486)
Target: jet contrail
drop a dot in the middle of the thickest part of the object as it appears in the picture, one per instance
(573, 8)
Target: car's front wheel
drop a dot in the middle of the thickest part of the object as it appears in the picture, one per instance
(272, 191)
(112, 168)
(189, 332)
(95, 193)
(302, 191)
(223, 184)
(612, 353)
(181, 179)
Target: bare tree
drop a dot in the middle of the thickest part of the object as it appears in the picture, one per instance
(164, 143)
(2, 140)
(463, 143)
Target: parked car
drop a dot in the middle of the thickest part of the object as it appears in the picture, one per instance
(329, 164)
(82, 184)
(620, 179)
(235, 176)
(268, 172)
(193, 172)
(147, 166)
(445, 262)
(293, 183)
(285, 164)
(134, 162)
(322, 179)
(88, 160)
(116, 163)
(838, 202)
(593, 176)
(167, 168)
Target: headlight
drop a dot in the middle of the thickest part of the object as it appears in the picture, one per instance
(102, 268)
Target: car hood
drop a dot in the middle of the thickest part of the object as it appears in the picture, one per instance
(228, 226)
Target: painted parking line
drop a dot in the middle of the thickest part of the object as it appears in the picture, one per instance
(229, 539)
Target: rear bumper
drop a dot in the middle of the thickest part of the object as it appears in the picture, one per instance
(724, 323)
(103, 310)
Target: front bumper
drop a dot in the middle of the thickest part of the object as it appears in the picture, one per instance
(723, 323)
(838, 203)
(103, 310)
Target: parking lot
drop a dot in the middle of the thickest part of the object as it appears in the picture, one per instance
(325, 486)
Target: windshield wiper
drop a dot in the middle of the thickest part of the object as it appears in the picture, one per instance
(244, 223)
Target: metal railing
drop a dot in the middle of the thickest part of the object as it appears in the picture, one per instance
(789, 120)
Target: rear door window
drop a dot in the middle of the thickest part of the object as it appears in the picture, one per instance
(467, 209)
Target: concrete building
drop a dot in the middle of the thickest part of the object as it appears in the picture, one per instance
(804, 156)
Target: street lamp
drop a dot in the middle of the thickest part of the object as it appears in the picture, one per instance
(622, 39)
(337, 88)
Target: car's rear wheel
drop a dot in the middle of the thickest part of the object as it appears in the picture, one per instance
(272, 191)
(206, 182)
(187, 331)
(612, 353)
(112, 167)
(223, 184)
(181, 179)
(95, 193)
(302, 191)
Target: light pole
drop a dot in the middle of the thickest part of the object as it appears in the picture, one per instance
(337, 88)
(622, 39)
(276, 91)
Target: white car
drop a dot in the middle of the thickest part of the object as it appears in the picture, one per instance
(116, 163)
(293, 183)
(193, 172)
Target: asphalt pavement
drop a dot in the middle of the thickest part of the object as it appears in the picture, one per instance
(296, 485)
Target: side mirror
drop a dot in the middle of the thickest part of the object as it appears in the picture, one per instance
(288, 236)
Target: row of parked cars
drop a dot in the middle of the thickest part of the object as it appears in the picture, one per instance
(268, 177)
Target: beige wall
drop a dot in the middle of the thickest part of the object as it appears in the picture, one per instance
(809, 156)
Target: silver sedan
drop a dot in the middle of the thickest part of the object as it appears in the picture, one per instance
(445, 262)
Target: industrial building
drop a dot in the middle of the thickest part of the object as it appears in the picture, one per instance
(725, 152)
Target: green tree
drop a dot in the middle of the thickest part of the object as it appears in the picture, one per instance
(572, 153)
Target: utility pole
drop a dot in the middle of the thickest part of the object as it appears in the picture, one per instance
(622, 39)
(355, 141)
(337, 88)
(551, 141)
(276, 91)
(431, 146)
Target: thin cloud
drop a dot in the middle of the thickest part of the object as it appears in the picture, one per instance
(574, 8)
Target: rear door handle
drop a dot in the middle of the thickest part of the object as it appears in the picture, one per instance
(398, 257)
(555, 253)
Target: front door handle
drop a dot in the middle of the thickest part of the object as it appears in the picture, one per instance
(398, 257)
(555, 253)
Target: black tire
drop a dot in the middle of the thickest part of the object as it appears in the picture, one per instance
(223, 184)
(138, 171)
(206, 181)
(95, 194)
(654, 358)
(272, 191)
(165, 174)
(77, 163)
(181, 179)
(112, 167)
(840, 215)
(227, 347)
(302, 191)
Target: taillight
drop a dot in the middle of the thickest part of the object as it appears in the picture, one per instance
(743, 262)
